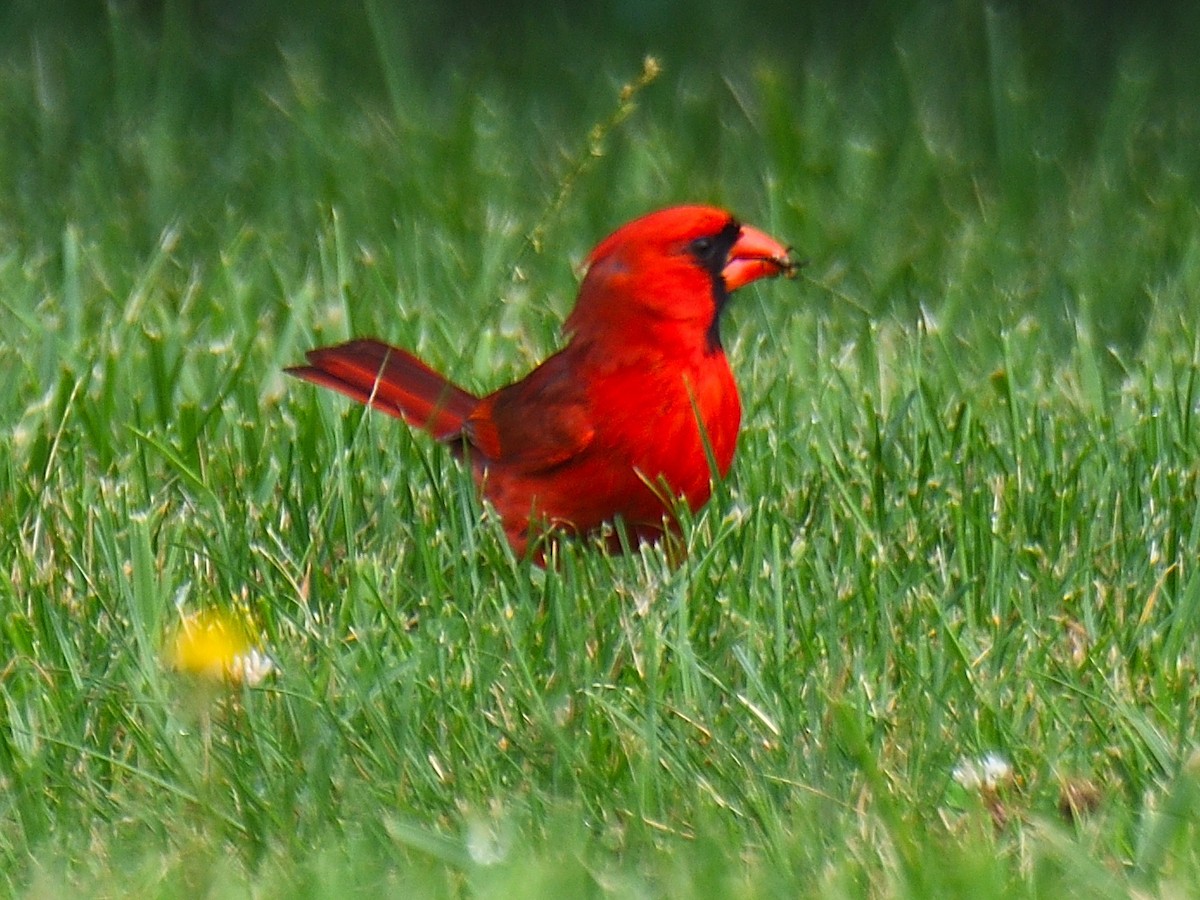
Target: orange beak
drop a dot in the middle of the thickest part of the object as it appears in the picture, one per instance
(756, 255)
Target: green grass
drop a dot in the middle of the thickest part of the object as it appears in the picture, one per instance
(963, 517)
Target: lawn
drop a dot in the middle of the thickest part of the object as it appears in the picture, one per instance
(935, 636)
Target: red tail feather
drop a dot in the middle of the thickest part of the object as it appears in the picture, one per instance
(393, 381)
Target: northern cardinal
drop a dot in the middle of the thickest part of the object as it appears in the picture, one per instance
(638, 410)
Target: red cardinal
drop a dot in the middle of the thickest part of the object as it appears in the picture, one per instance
(634, 412)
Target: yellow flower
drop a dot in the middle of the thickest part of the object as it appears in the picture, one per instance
(212, 645)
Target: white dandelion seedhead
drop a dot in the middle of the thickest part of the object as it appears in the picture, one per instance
(986, 773)
(996, 770)
(251, 668)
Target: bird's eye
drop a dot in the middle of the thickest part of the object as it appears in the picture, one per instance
(711, 250)
(703, 248)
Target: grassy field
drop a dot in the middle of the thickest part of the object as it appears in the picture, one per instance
(936, 635)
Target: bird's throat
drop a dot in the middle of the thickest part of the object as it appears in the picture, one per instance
(720, 297)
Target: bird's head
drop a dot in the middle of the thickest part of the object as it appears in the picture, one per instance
(678, 264)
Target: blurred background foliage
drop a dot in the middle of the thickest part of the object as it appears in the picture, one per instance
(1020, 158)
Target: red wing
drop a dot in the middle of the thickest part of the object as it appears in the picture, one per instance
(393, 381)
(538, 423)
